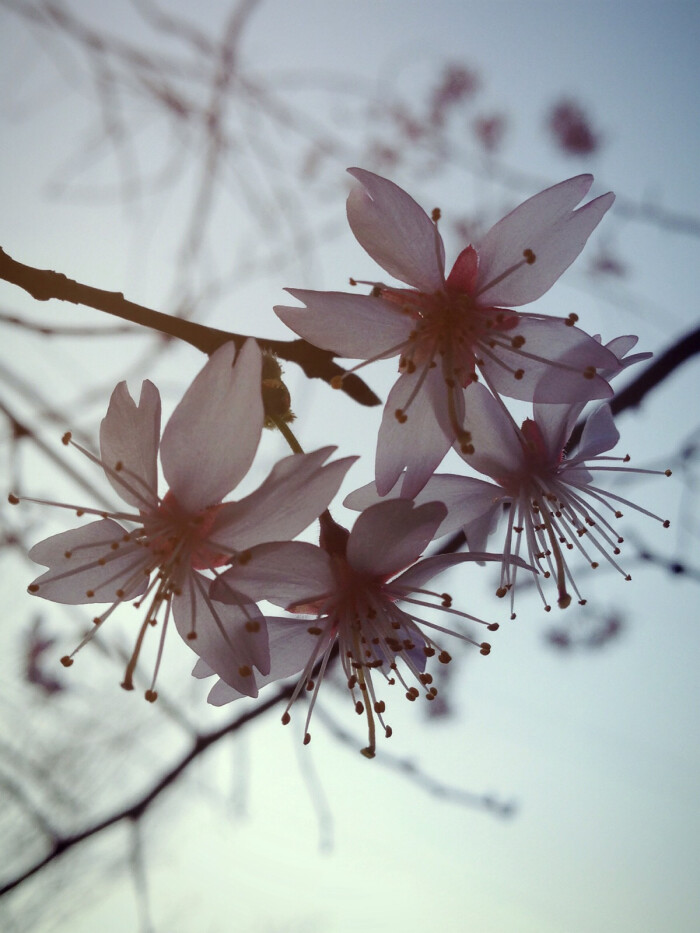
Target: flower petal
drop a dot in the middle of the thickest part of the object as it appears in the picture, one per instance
(291, 646)
(546, 224)
(92, 564)
(357, 326)
(424, 570)
(295, 493)
(389, 536)
(284, 573)
(396, 232)
(562, 354)
(494, 435)
(465, 497)
(129, 436)
(231, 640)
(599, 435)
(210, 441)
(418, 444)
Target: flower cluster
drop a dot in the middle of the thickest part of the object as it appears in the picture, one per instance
(463, 349)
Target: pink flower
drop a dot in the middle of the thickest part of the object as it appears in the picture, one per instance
(447, 329)
(553, 502)
(157, 548)
(348, 590)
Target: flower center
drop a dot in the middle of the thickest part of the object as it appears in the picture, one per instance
(172, 530)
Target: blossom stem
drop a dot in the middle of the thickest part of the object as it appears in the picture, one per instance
(288, 435)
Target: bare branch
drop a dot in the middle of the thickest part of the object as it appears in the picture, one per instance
(43, 284)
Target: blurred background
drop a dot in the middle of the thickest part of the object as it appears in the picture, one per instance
(195, 161)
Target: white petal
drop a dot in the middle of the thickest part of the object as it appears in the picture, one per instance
(562, 355)
(211, 439)
(282, 572)
(129, 436)
(295, 493)
(396, 232)
(417, 445)
(494, 435)
(357, 326)
(223, 641)
(415, 577)
(291, 646)
(548, 225)
(389, 536)
(599, 435)
(92, 559)
(465, 497)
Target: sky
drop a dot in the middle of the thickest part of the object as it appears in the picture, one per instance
(597, 750)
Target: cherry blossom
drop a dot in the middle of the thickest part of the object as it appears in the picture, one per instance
(348, 591)
(449, 330)
(553, 502)
(155, 550)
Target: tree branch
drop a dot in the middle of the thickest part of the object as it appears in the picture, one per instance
(43, 284)
(63, 843)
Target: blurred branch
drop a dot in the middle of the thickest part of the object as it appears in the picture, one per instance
(409, 769)
(43, 284)
(64, 843)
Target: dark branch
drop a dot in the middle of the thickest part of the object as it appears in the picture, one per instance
(43, 284)
(63, 843)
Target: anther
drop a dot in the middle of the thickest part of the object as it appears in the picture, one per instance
(66, 661)
(359, 708)
(191, 636)
(446, 600)
(337, 382)
(66, 439)
(666, 473)
(435, 214)
(151, 696)
(589, 372)
(244, 670)
(485, 648)
(571, 320)
(286, 719)
(529, 256)
(252, 625)
(444, 657)
(13, 500)
(518, 374)
(379, 706)
(307, 739)
(368, 752)
(493, 627)
(400, 416)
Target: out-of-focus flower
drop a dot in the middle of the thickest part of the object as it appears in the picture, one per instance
(572, 129)
(553, 502)
(349, 591)
(37, 644)
(155, 551)
(489, 131)
(446, 329)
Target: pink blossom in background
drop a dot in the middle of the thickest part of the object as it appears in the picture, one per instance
(348, 591)
(155, 551)
(448, 331)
